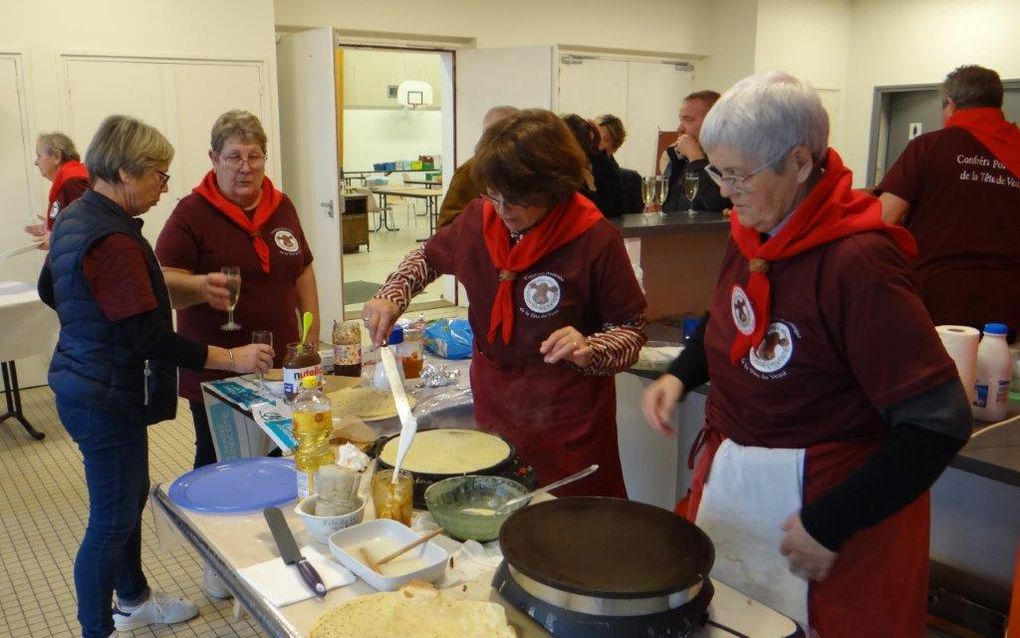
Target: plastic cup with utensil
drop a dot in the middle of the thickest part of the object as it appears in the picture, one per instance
(392, 499)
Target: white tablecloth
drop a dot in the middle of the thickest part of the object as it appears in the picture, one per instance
(27, 325)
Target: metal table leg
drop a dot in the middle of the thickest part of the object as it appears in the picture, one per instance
(12, 395)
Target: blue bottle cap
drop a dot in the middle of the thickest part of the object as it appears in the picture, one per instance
(996, 329)
(397, 336)
(689, 325)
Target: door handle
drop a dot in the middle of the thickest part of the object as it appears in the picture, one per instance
(328, 206)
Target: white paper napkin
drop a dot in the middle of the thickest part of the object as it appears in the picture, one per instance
(470, 561)
(282, 585)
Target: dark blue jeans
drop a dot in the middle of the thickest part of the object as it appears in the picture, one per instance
(115, 447)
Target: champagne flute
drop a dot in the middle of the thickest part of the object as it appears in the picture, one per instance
(266, 337)
(649, 193)
(691, 181)
(661, 186)
(233, 274)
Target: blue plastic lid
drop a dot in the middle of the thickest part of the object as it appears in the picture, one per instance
(397, 336)
(689, 325)
(996, 329)
(234, 487)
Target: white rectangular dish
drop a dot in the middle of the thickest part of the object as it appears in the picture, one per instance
(380, 537)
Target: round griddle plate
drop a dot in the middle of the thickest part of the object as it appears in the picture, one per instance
(606, 547)
(437, 476)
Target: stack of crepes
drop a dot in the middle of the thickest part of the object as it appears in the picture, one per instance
(367, 404)
(418, 610)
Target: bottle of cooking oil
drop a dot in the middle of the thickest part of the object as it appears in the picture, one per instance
(313, 423)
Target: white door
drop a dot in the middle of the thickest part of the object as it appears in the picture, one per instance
(18, 178)
(518, 76)
(655, 91)
(592, 87)
(309, 141)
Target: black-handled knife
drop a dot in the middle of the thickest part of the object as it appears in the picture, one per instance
(289, 551)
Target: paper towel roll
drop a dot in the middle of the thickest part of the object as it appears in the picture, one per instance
(961, 342)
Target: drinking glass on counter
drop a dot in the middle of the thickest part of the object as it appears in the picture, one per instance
(393, 500)
(262, 336)
(650, 193)
(691, 190)
(233, 274)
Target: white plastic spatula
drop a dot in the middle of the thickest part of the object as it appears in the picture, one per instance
(408, 422)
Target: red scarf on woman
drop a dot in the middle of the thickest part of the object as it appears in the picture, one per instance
(831, 210)
(270, 201)
(561, 225)
(990, 127)
(68, 170)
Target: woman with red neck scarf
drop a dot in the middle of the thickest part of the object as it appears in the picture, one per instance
(59, 162)
(833, 405)
(555, 307)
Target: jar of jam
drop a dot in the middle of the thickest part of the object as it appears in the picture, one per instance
(347, 348)
(302, 360)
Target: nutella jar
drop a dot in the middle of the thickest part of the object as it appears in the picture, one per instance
(302, 360)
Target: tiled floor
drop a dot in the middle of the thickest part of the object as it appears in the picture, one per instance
(43, 511)
(388, 248)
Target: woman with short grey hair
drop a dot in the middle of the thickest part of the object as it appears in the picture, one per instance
(833, 405)
(114, 370)
(59, 162)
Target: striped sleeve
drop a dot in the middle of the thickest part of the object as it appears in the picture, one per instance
(616, 347)
(410, 278)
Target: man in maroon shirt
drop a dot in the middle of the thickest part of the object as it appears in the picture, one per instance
(958, 191)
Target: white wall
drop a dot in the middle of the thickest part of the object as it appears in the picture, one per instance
(726, 34)
(375, 135)
(919, 41)
(43, 29)
(659, 25)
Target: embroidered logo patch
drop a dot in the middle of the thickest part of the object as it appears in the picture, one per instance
(286, 240)
(775, 350)
(542, 294)
(743, 313)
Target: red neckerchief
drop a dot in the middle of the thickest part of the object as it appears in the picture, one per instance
(831, 210)
(563, 224)
(68, 170)
(270, 201)
(990, 127)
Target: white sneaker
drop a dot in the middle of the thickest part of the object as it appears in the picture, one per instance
(214, 585)
(158, 609)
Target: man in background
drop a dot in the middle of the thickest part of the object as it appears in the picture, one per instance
(462, 187)
(958, 192)
(687, 157)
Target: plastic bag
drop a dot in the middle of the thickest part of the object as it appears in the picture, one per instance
(449, 338)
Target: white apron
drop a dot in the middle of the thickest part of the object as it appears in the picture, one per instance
(749, 493)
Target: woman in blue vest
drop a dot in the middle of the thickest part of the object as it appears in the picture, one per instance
(114, 370)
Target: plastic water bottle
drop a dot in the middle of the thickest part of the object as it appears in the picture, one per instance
(313, 423)
(994, 370)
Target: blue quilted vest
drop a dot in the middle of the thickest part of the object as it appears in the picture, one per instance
(94, 363)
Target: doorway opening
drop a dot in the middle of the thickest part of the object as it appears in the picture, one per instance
(394, 122)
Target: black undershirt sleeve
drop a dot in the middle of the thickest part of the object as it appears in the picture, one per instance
(691, 367)
(150, 336)
(926, 432)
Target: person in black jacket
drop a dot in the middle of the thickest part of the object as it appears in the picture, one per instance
(612, 135)
(114, 370)
(605, 189)
(686, 156)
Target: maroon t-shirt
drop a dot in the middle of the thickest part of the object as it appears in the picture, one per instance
(116, 269)
(848, 336)
(199, 238)
(584, 283)
(965, 214)
(70, 190)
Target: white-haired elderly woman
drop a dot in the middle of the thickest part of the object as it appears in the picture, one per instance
(833, 405)
(59, 162)
(114, 370)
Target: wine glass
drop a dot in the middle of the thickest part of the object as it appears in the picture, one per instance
(266, 337)
(650, 194)
(661, 186)
(233, 274)
(691, 181)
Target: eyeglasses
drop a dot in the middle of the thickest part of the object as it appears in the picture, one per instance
(235, 162)
(503, 202)
(163, 178)
(733, 182)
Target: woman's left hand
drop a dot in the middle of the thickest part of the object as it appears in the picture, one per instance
(808, 558)
(567, 344)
